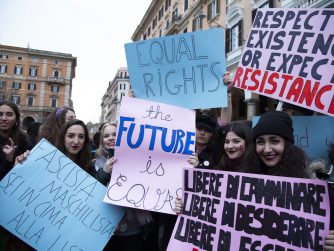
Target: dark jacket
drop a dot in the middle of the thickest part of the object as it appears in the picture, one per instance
(22, 144)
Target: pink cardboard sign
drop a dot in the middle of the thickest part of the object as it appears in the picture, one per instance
(239, 211)
(154, 141)
(289, 56)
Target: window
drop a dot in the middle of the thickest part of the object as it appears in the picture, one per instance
(54, 88)
(34, 60)
(167, 24)
(16, 85)
(56, 74)
(234, 37)
(197, 23)
(19, 58)
(30, 101)
(31, 86)
(18, 70)
(160, 33)
(2, 84)
(57, 62)
(33, 71)
(2, 97)
(54, 102)
(16, 99)
(213, 9)
(185, 5)
(3, 68)
(161, 13)
(175, 15)
(3, 56)
(149, 31)
(144, 37)
(154, 23)
(269, 4)
(167, 4)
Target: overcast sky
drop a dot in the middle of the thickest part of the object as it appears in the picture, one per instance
(93, 31)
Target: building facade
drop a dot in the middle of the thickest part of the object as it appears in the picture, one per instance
(111, 100)
(167, 17)
(36, 81)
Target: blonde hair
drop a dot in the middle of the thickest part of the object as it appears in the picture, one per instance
(101, 149)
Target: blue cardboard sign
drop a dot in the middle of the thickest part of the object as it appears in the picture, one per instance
(52, 204)
(313, 134)
(184, 70)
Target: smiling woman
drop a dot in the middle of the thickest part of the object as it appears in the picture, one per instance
(73, 141)
(13, 141)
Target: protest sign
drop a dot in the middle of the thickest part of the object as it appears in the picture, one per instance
(313, 134)
(182, 70)
(154, 141)
(238, 211)
(289, 56)
(52, 204)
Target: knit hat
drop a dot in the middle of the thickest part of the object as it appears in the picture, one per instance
(205, 121)
(276, 123)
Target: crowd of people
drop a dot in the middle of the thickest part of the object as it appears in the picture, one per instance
(268, 148)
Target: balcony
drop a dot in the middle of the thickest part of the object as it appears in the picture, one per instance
(33, 108)
(52, 79)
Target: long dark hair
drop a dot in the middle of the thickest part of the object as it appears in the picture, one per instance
(16, 129)
(84, 157)
(244, 131)
(53, 123)
(293, 163)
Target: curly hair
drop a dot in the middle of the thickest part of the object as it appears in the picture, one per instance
(244, 131)
(53, 123)
(293, 163)
(84, 157)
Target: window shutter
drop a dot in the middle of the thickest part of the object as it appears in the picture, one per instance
(57, 88)
(18, 100)
(15, 69)
(35, 87)
(228, 40)
(30, 72)
(36, 72)
(209, 11)
(217, 6)
(240, 32)
(19, 85)
(271, 3)
(194, 24)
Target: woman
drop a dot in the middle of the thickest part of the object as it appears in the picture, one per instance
(237, 148)
(236, 155)
(73, 141)
(276, 154)
(129, 234)
(13, 141)
(53, 123)
(105, 154)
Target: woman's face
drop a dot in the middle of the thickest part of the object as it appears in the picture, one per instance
(74, 139)
(234, 146)
(109, 137)
(7, 118)
(203, 136)
(69, 115)
(270, 149)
